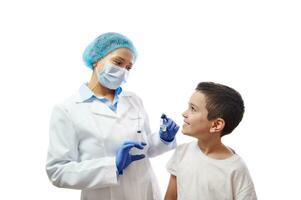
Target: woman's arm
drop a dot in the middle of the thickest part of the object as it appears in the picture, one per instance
(156, 145)
(64, 167)
(171, 193)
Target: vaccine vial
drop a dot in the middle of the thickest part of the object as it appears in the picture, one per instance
(162, 125)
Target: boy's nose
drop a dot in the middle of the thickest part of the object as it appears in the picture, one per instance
(184, 114)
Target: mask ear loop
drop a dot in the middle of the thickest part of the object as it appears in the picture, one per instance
(97, 71)
(95, 63)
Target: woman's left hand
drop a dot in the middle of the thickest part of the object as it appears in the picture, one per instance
(169, 129)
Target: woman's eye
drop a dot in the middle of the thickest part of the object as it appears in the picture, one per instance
(192, 108)
(117, 63)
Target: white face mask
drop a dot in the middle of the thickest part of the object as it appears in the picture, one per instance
(112, 76)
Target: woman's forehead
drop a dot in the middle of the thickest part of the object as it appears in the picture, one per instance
(124, 53)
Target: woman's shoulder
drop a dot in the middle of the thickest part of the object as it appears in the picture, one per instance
(132, 96)
(68, 102)
(127, 93)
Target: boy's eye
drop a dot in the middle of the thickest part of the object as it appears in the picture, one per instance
(192, 108)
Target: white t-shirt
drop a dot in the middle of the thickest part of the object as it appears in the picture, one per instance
(200, 177)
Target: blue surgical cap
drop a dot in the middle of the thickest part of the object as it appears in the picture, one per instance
(104, 44)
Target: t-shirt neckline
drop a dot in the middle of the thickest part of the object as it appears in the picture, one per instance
(217, 161)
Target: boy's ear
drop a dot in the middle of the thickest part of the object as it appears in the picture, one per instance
(217, 125)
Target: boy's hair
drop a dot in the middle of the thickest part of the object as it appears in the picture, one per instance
(223, 102)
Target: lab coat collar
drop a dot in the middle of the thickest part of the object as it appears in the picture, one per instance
(101, 109)
(85, 94)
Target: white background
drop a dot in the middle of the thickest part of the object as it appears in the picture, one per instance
(253, 46)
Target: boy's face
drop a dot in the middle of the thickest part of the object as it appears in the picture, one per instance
(196, 123)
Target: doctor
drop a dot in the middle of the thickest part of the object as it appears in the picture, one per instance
(100, 138)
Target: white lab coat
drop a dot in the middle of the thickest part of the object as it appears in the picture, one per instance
(84, 139)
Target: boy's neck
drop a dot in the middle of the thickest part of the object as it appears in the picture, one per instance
(214, 148)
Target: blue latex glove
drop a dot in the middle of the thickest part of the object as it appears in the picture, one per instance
(124, 158)
(168, 129)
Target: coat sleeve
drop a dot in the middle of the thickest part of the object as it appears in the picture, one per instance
(63, 166)
(156, 145)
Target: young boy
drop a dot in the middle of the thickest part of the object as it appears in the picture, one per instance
(206, 169)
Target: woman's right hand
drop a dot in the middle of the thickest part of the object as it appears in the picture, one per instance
(124, 158)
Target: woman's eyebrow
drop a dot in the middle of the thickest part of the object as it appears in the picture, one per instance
(118, 57)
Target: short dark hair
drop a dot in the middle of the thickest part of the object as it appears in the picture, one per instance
(223, 102)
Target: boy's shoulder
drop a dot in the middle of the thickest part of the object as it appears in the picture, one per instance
(240, 164)
(236, 163)
(184, 148)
